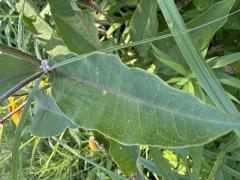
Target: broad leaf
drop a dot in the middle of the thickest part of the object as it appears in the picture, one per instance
(76, 27)
(48, 120)
(132, 106)
(144, 23)
(13, 70)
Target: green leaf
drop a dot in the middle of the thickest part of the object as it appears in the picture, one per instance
(201, 36)
(226, 79)
(73, 151)
(132, 106)
(197, 157)
(163, 166)
(226, 60)
(144, 23)
(18, 134)
(193, 57)
(233, 144)
(13, 70)
(167, 60)
(150, 165)
(76, 27)
(202, 5)
(48, 120)
(125, 157)
(34, 23)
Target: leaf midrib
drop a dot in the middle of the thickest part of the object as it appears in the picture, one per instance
(137, 100)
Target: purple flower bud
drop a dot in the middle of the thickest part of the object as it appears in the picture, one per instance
(44, 65)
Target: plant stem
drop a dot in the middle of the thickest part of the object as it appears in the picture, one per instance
(19, 86)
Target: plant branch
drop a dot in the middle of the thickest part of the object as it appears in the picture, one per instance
(11, 113)
(19, 86)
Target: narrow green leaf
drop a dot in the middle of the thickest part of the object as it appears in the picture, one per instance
(144, 23)
(150, 165)
(167, 60)
(233, 144)
(197, 157)
(193, 57)
(74, 152)
(226, 79)
(18, 134)
(49, 116)
(76, 27)
(226, 60)
(132, 106)
(13, 70)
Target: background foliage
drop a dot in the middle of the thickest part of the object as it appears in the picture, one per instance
(113, 63)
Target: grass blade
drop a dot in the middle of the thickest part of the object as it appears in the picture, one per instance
(17, 139)
(193, 57)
